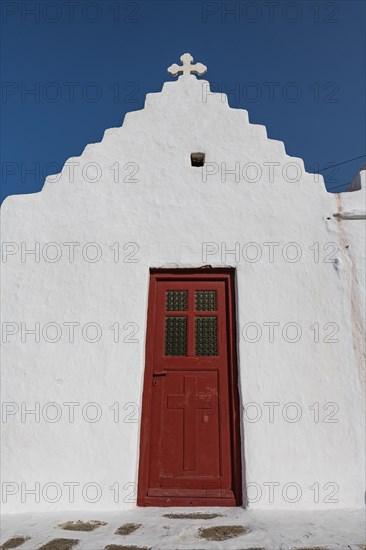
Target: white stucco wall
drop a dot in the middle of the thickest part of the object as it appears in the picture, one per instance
(167, 214)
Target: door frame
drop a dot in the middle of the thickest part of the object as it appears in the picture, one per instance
(205, 273)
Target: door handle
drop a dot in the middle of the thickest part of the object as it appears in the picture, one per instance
(160, 373)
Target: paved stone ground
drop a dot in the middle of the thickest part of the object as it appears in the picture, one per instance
(268, 530)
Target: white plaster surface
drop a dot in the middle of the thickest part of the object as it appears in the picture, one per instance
(268, 530)
(167, 213)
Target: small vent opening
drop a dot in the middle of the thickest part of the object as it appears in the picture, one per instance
(197, 159)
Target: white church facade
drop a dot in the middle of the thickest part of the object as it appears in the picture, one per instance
(183, 321)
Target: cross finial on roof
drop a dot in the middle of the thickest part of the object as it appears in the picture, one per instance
(187, 68)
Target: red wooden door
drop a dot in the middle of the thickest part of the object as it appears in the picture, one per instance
(190, 434)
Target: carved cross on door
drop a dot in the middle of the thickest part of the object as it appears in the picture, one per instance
(190, 401)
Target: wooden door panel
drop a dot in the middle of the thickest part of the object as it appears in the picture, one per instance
(190, 426)
(188, 453)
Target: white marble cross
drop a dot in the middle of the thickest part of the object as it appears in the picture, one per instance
(187, 68)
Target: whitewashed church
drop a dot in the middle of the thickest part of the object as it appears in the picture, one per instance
(183, 320)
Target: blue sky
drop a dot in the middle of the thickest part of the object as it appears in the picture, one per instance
(298, 67)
